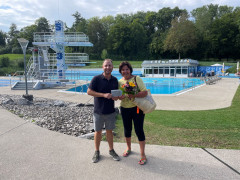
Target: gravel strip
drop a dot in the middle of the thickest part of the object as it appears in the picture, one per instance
(64, 117)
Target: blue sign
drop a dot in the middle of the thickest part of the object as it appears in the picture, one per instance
(58, 26)
(59, 55)
(60, 74)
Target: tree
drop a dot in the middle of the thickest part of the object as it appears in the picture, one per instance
(161, 22)
(225, 36)
(138, 40)
(42, 25)
(150, 23)
(165, 17)
(80, 24)
(13, 32)
(206, 15)
(4, 62)
(123, 18)
(12, 36)
(104, 54)
(181, 36)
(119, 42)
(28, 32)
(156, 46)
(97, 35)
(107, 22)
(2, 38)
(140, 16)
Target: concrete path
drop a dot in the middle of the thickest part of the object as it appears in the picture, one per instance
(28, 151)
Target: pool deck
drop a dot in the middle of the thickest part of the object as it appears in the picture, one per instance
(205, 97)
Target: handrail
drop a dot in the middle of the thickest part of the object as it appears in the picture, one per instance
(67, 37)
(52, 75)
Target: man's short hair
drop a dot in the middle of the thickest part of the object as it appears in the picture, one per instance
(107, 60)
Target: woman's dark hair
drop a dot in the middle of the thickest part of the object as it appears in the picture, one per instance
(125, 63)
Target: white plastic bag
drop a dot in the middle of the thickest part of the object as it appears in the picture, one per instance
(146, 104)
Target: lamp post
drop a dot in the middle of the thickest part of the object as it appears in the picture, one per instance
(23, 42)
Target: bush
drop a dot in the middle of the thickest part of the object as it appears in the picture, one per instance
(5, 50)
(233, 69)
(21, 63)
(6, 70)
(17, 50)
(4, 62)
(104, 54)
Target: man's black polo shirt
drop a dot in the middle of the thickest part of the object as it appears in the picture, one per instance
(100, 84)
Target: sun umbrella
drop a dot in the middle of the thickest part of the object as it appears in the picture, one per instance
(216, 65)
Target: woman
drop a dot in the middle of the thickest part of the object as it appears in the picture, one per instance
(130, 112)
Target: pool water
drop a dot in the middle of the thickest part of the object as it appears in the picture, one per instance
(6, 82)
(158, 85)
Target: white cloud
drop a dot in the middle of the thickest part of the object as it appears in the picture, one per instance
(25, 12)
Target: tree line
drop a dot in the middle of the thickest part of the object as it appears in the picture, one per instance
(210, 31)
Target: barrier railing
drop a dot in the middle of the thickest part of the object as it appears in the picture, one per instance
(67, 37)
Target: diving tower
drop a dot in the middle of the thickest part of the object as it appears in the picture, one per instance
(49, 69)
(57, 41)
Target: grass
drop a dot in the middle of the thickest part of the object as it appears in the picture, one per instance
(209, 129)
(98, 64)
(12, 56)
(137, 64)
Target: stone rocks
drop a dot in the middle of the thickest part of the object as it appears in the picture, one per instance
(59, 103)
(64, 117)
(7, 101)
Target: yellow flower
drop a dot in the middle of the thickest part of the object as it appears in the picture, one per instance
(131, 84)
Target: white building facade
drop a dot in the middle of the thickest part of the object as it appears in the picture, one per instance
(170, 68)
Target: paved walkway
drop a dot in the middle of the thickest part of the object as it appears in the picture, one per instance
(28, 151)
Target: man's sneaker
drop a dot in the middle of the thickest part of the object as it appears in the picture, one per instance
(114, 155)
(96, 157)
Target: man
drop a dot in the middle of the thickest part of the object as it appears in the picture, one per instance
(104, 111)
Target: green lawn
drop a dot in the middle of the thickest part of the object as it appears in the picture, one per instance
(210, 129)
(98, 64)
(12, 56)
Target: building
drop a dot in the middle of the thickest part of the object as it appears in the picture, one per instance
(170, 68)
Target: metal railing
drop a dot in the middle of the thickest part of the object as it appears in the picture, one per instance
(70, 58)
(52, 75)
(67, 37)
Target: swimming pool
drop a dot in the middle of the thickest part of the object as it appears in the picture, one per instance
(158, 85)
(6, 82)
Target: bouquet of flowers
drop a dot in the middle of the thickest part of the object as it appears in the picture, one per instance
(129, 88)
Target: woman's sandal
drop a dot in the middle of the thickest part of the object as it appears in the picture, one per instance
(142, 161)
(126, 153)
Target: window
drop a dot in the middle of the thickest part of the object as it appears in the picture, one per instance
(178, 70)
(184, 70)
(166, 70)
(160, 70)
(150, 71)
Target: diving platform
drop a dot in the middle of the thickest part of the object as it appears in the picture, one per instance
(50, 69)
(67, 39)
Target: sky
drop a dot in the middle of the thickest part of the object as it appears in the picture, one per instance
(26, 12)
